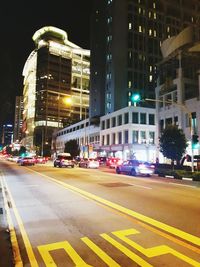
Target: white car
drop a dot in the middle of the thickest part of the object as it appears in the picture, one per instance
(89, 163)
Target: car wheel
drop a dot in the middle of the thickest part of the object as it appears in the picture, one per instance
(118, 170)
(60, 166)
(133, 173)
(54, 165)
(72, 166)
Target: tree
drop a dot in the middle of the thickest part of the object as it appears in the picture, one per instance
(173, 143)
(72, 147)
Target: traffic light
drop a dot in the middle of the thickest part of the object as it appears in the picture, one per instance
(195, 140)
(135, 98)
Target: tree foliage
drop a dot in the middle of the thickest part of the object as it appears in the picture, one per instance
(72, 147)
(173, 143)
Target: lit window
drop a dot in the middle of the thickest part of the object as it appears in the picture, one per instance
(154, 5)
(149, 14)
(129, 103)
(154, 15)
(139, 10)
(154, 33)
(140, 28)
(129, 84)
(150, 32)
(130, 26)
(150, 68)
(150, 78)
(168, 29)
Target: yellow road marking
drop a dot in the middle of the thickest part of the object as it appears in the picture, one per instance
(107, 259)
(134, 257)
(153, 229)
(45, 249)
(154, 251)
(27, 243)
(167, 228)
(13, 237)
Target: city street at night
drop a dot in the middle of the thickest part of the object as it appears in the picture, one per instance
(95, 217)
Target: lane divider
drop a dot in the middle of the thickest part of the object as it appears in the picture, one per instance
(27, 243)
(13, 238)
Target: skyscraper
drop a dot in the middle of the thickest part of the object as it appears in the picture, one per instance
(18, 120)
(125, 47)
(56, 86)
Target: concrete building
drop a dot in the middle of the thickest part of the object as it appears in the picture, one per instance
(125, 47)
(129, 132)
(18, 119)
(56, 86)
(178, 86)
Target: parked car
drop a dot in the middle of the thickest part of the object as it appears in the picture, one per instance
(28, 161)
(113, 162)
(89, 163)
(102, 160)
(64, 160)
(40, 159)
(135, 167)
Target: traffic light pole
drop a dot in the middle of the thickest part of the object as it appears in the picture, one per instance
(183, 107)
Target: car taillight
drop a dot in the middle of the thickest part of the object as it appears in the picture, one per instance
(152, 166)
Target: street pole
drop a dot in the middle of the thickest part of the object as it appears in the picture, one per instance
(190, 122)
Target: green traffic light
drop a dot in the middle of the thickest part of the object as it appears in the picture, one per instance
(135, 98)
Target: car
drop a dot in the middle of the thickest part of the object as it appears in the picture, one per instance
(113, 162)
(102, 160)
(64, 160)
(89, 163)
(28, 161)
(136, 167)
(40, 159)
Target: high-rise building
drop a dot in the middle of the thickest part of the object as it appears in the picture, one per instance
(7, 134)
(18, 120)
(126, 36)
(56, 86)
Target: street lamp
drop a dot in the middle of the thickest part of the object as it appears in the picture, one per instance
(184, 108)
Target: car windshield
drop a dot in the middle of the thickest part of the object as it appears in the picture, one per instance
(65, 157)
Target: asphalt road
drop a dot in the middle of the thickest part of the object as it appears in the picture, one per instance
(84, 217)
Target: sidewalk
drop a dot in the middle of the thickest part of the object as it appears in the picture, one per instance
(6, 256)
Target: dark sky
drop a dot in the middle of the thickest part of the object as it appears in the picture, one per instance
(19, 21)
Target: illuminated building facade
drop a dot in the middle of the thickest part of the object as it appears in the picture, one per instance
(178, 85)
(125, 47)
(7, 134)
(18, 120)
(56, 86)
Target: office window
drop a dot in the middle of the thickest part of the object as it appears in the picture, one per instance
(126, 137)
(108, 124)
(108, 139)
(126, 118)
(119, 120)
(135, 117)
(102, 125)
(143, 137)
(113, 138)
(143, 119)
(152, 138)
(135, 136)
(151, 119)
(113, 121)
(119, 138)
(103, 140)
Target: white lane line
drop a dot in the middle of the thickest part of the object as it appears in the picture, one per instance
(185, 185)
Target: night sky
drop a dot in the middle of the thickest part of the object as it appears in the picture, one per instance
(19, 21)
